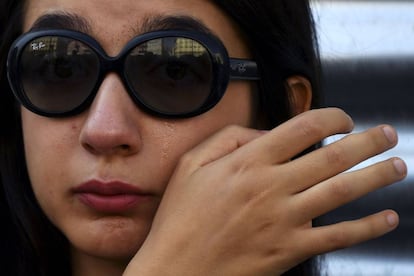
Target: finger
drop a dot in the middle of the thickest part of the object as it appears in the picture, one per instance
(345, 234)
(220, 144)
(347, 187)
(292, 137)
(338, 157)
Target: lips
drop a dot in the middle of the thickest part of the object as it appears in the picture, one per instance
(110, 197)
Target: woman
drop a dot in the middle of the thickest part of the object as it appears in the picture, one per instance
(110, 166)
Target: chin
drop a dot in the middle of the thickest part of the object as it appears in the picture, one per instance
(116, 239)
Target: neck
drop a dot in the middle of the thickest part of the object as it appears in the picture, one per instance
(87, 265)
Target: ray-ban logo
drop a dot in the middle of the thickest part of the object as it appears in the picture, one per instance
(36, 46)
(240, 67)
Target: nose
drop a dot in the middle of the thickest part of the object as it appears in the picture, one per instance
(110, 127)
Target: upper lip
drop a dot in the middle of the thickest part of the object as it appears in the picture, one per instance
(110, 188)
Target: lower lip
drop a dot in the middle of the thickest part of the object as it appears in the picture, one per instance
(110, 203)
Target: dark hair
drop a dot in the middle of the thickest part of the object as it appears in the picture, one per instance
(282, 40)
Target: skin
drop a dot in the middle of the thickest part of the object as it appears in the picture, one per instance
(220, 184)
(90, 146)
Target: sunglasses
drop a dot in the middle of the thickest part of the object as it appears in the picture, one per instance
(170, 73)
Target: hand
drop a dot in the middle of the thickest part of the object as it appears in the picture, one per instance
(238, 205)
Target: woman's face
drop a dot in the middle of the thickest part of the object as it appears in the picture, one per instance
(79, 165)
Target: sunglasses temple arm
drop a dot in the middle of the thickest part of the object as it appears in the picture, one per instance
(242, 69)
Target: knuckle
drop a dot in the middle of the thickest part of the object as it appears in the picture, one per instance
(240, 168)
(310, 127)
(186, 159)
(335, 155)
(231, 129)
(340, 189)
(339, 239)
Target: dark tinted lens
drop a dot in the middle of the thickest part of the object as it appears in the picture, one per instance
(58, 73)
(170, 75)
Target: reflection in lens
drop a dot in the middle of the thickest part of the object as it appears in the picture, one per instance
(170, 75)
(58, 73)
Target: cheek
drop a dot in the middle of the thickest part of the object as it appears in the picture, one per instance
(46, 146)
(237, 107)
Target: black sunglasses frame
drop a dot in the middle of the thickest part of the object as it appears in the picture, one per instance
(224, 68)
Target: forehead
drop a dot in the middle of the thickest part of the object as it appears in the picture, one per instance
(113, 23)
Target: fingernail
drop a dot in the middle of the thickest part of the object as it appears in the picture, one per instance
(390, 134)
(400, 166)
(392, 219)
